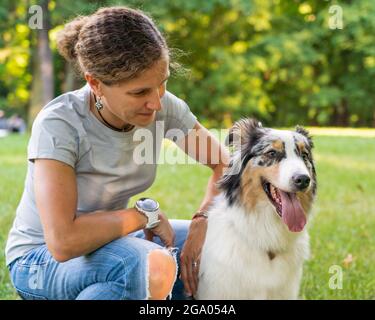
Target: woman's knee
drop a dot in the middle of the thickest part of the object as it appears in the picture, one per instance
(162, 274)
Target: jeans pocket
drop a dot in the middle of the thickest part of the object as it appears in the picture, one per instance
(29, 296)
(28, 278)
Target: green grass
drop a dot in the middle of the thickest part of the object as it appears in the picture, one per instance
(12, 175)
(344, 215)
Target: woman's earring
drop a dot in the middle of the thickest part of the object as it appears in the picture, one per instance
(99, 104)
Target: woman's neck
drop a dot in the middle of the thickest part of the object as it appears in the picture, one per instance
(106, 117)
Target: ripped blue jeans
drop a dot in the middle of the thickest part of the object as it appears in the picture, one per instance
(116, 271)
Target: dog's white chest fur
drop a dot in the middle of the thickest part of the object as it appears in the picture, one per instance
(235, 261)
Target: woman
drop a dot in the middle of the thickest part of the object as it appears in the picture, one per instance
(73, 237)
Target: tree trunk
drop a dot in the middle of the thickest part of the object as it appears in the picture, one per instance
(42, 87)
(36, 98)
(45, 56)
(340, 117)
(29, 70)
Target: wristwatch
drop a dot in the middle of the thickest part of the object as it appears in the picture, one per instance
(149, 208)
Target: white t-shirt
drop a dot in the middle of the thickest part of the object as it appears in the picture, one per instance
(107, 171)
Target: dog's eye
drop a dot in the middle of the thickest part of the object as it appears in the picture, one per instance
(271, 153)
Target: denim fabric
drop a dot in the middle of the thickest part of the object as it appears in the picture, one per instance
(116, 271)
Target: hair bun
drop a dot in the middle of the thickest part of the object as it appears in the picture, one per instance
(68, 37)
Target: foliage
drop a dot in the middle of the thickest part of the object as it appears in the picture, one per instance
(14, 56)
(276, 60)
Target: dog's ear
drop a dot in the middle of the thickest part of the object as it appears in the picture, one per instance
(242, 132)
(301, 130)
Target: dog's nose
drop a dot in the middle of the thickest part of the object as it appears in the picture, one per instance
(301, 181)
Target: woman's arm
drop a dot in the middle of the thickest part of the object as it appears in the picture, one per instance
(201, 145)
(66, 235)
(204, 147)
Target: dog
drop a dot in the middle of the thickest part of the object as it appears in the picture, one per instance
(256, 240)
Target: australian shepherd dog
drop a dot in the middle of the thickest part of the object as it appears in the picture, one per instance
(256, 239)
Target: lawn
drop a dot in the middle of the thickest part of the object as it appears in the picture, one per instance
(342, 230)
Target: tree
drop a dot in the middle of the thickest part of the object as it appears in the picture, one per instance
(276, 60)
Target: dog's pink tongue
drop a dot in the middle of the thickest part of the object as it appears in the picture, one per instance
(293, 214)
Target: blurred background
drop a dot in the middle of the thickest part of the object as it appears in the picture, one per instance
(285, 62)
(311, 62)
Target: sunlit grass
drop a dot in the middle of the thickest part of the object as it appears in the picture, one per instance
(344, 215)
(324, 131)
(12, 175)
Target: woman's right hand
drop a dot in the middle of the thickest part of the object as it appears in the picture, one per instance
(163, 230)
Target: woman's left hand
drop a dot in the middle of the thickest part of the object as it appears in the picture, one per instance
(191, 254)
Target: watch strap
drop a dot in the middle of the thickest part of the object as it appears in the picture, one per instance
(152, 217)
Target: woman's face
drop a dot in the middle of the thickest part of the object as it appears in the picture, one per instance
(135, 101)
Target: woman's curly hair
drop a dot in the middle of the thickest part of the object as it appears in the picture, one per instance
(113, 44)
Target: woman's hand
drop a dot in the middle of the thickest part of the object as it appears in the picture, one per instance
(163, 230)
(191, 254)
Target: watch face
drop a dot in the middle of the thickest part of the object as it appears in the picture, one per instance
(147, 204)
